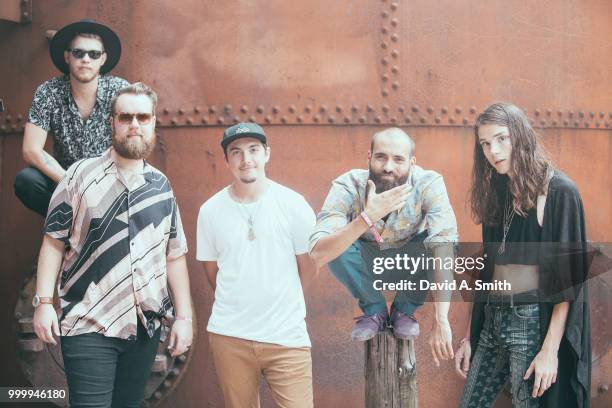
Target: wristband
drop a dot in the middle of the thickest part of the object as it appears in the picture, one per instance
(179, 317)
(372, 228)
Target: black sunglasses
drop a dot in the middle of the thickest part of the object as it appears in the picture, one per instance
(79, 53)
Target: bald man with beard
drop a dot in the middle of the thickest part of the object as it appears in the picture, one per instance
(393, 207)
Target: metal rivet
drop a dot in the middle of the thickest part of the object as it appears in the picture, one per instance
(181, 111)
(423, 119)
(166, 111)
(205, 120)
(451, 120)
(549, 111)
(472, 109)
(284, 119)
(197, 109)
(607, 124)
(175, 371)
(394, 6)
(465, 120)
(339, 108)
(407, 119)
(576, 124)
(401, 109)
(444, 110)
(458, 110)
(430, 109)
(384, 14)
(565, 122)
(415, 108)
(559, 113)
(393, 119)
(260, 108)
(385, 108)
(601, 115)
(157, 395)
(347, 119)
(581, 114)
(236, 119)
(189, 121)
(590, 113)
(13, 128)
(384, 45)
(3, 128)
(385, 77)
(244, 109)
(384, 60)
(227, 108)
(292, 109)
(174, 121)
(543, 122)
(308, 109)
(377, 119)
(220, 121)
(268, 119)
(355, 108)
(275, 109)
(300, 119)
(395, 85)
(395, 69)
(159, 121)
(597, 124)
(570, 113)
(331, 119)
(362, 119)
(384, 92)
(603, 388)
(587, 124)
(323, 108)
(212, 109)
(437, 119)
(19, 118)
(167, 384)
(394, 22)
(252, 119)
(610, 114)
(395, 53)
(554, 123)
(316, 118)
(394, 38)
(536, 112)
(384, 30)
(8, 118)
(370, 108)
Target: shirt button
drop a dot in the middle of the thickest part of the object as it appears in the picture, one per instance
(132, 244)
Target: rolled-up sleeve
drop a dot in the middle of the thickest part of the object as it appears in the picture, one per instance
(336, 210)
(177, 243)
(58, 223)
(441, 221)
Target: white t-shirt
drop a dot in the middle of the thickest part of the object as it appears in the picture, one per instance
(259, 294)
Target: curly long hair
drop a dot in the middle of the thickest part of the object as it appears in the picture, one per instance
(529, 166)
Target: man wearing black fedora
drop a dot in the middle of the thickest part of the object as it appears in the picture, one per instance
(74, 107)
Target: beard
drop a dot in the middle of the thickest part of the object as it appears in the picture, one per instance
(138, 148)
(83, 76)
(385, 184)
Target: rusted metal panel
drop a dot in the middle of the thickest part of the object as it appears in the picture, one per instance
(322, 77)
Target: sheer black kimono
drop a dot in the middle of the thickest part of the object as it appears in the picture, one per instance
(563, 268)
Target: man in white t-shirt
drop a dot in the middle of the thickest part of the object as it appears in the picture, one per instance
(253, 242)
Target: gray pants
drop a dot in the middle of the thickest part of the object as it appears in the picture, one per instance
(509, 341)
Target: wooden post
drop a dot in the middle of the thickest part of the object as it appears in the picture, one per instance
(390, 372)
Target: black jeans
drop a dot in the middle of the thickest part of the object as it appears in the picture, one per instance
(106, 371)
(34, 189)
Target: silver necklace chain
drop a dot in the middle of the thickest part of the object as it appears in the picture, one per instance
(508, 217)
(248, 216)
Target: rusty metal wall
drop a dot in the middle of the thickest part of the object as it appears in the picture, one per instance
(322, 77)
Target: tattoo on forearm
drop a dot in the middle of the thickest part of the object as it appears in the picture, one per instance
(49, 161)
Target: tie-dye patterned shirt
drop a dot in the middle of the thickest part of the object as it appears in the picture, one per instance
(119, 234)
(427, 209)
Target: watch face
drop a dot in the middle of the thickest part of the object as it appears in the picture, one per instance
(36, 301)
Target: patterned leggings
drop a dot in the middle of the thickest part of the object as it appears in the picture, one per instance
(509, 341)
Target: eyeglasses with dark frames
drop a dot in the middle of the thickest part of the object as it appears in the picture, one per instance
(79, 53)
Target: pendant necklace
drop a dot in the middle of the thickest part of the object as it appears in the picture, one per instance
(249, 216)
(508, 216)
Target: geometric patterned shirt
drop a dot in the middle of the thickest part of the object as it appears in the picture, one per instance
(118, 236)
(427, 209)
(54, 109)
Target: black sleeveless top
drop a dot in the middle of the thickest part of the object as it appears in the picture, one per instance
(522, 240)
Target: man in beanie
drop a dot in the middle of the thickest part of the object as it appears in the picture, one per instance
(74, 107)
(253, 243)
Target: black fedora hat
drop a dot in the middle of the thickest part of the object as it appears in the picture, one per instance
(61, 41)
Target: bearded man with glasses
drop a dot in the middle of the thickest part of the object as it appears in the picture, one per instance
(74, 107)
(114, 236)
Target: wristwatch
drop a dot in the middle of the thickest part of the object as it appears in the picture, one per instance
(39, 300)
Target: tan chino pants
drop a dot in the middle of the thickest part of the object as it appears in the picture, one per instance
(241, 363)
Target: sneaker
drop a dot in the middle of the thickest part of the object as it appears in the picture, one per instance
(405, 326)
(367, 327)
